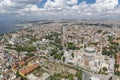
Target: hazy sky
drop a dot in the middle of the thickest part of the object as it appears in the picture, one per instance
(59, 9)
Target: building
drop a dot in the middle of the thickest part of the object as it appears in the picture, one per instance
(118, 60)
(45, 76)
(26, 70)
(90, 51)
(94, 78)
(32, 77)
(115, 77)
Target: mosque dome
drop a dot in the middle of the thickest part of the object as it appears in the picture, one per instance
(90, 50)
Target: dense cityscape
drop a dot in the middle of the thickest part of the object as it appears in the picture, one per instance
(62, 50)
(59, 39)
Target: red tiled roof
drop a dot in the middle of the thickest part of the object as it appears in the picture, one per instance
(28, 69)
(118, 41)
(30, 58)
(118, 58)
(21, 63)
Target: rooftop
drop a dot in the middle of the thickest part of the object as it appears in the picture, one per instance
(90, 49)
(118, 41)
(28, 69)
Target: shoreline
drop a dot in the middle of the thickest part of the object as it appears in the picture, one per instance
(19, 28)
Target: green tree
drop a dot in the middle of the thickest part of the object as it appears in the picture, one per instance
(104, 69)
(53, 51)
(18, 48)
(99, 31)
(63, 59)
(79, 75)
(71, 46)
(72, 54)
(57, 56)
(70, 77)
(116, 66)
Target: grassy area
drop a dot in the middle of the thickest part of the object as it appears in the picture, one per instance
(38, 72)
(59, 76)
(26, 47)
(29, 55)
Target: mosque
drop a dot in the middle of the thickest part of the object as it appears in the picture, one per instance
(90, 58)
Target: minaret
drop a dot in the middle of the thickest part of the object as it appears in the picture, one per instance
(84, 44)
(101, 49)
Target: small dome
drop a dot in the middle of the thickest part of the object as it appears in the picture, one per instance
(96, 60)
(94, 78)
(90, 49)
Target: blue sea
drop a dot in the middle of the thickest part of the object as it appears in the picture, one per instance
(9, 26)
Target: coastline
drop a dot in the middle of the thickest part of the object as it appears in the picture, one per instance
(6, 29)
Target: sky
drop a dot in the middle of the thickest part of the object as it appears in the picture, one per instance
(59, 9)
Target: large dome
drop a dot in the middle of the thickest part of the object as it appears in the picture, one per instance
(89, 51)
